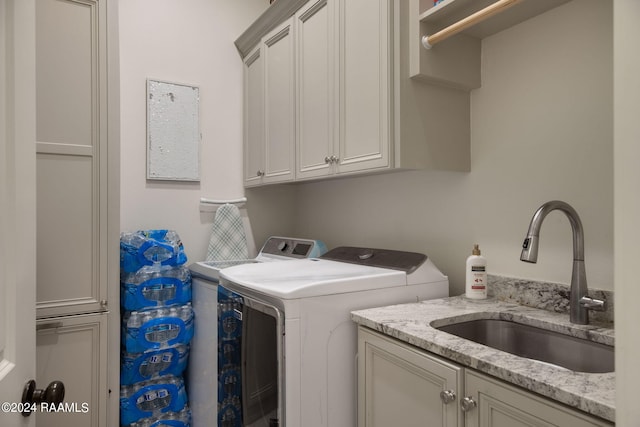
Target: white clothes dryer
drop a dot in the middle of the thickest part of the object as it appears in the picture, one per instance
(299, 344)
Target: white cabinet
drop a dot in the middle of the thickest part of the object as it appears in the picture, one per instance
(400, 385)
(343, 92)
(253, 118)
(72, 156)
(364, 86)
(279, 92)
(356, 108)
(498, 404)
(70, 349)
(315, 90)
(77, 161)
(397, 381)
(269, 109)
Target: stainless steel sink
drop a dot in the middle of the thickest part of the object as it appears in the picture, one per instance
(534, 343)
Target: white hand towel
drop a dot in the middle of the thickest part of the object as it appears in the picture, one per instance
(228, 239)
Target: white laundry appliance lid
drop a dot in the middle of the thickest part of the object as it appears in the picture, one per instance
(305, 278)
(341, 270)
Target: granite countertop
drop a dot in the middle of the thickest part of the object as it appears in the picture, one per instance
(411, 323)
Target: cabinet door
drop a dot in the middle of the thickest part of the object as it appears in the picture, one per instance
(73, 350)
(365, 60)
(315, 72)
(71, 156)
(253, 118)
(400, 385)
(279, 105)
(503, 405)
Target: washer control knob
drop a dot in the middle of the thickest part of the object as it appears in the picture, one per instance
(283, 246)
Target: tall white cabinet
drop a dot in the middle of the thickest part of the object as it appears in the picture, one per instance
(77, 203)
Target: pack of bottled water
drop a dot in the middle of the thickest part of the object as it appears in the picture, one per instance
(155, 286)
(170, 419)
(229, 414)
(138, 367)
(229, 360)
(157, 327)
(152, 399)
(150, 247)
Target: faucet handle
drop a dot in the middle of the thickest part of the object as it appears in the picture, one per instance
(593, 304)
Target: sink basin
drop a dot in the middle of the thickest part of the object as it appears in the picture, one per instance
(534, 343)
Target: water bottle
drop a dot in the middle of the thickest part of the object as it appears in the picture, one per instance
(186, 312)
(134, 321)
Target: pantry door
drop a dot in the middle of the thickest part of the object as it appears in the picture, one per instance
(17, 206)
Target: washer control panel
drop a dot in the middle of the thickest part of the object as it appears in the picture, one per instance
(293, 247)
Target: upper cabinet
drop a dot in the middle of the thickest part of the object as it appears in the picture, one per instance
(342, 87)
(269, 116)
(346, 104)
(279, 112)
(364, 64)
(315, 90)
(253, 119)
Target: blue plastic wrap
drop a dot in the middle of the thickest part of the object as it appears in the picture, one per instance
(151, 399)
(157, 328)
(150, 247)
(137, 367)
(154, 287)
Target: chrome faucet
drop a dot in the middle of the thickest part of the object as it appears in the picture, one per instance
(579, 302)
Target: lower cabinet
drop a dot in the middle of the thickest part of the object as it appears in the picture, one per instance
(73, 350)
(399, 384)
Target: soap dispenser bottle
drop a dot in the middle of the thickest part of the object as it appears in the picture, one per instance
(476, 280)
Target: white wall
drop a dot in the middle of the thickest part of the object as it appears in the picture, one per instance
(541, 130)
(190, 42)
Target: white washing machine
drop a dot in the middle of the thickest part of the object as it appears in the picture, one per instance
(202, 372)
(299, 343)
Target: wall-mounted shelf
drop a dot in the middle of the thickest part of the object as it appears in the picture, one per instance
(456, 61)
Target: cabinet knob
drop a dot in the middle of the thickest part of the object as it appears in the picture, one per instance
(467, 404)
(335, 159)
(260, 173)
(447, 396)
(327, 159)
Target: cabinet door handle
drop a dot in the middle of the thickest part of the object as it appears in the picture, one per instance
(447, 396)
(467, 404)
(48, 326)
